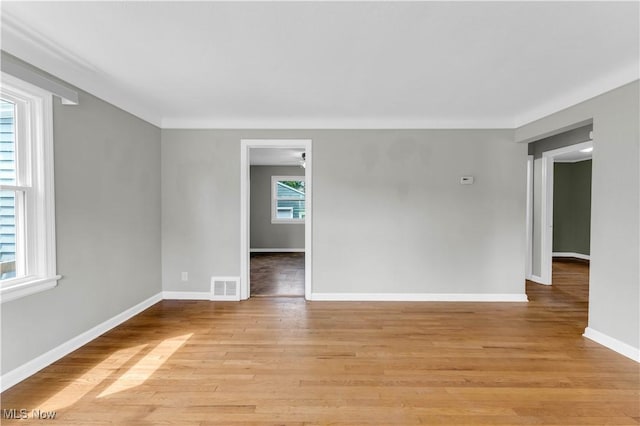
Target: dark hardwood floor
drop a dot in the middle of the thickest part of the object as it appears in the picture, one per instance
(277, 274)
(287, 361)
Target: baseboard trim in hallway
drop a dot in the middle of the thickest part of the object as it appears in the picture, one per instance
(276, 250)
(571, 254)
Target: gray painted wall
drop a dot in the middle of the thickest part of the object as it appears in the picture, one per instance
(572, 207)
(389, 213)
(614, 293)
(263, 233)
(200, 207)
(567, 138)
(107, 184)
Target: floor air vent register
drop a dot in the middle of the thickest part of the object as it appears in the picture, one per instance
(225, 288)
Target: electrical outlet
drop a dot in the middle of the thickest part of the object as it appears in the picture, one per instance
(185, 276)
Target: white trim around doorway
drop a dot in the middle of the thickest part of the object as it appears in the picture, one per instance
(245, 147)
(546, 199)
(529, 219)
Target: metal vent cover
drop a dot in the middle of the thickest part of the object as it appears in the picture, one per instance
(225, 288)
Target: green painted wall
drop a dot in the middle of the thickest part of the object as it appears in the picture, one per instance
(572, 207)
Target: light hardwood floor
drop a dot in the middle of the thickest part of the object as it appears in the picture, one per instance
(288, 361)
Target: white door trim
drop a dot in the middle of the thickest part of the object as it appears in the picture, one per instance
(546, 221)
(245, 147)
(529, 218)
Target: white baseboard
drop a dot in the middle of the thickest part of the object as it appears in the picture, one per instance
(276, 250)
(537, 279)
(29, 368)
(571, 254)
(613, 344)
(419, 297)
(186, 295)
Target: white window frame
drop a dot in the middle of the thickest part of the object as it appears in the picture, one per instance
(287, 209)
(274, 199)
(34, 160)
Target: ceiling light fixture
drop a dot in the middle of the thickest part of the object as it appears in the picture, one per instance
(587, 149)
(303, 162)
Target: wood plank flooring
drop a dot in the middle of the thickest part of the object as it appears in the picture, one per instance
(277, 274)
(291, 362)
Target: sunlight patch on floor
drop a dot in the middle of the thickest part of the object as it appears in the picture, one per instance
(82, 385)
(148, 365)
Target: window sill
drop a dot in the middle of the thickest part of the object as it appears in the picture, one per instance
(26, 286)
(300, 221)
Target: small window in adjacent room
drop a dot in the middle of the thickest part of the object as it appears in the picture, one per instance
(27, 222)
(287, 199)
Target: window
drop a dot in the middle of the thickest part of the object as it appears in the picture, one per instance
(287, 199)
(27, 224)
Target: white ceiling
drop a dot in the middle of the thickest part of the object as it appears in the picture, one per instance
(573, 157)
(275, 156)
(331, 64)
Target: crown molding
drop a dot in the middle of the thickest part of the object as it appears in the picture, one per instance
(334, 123)
(614, 80)
(29, 45)
(16, 31)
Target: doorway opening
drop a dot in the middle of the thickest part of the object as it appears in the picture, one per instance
(276, 193)
(558, 209)
(559, 217)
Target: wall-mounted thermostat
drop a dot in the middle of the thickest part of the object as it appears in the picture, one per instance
(466, 180)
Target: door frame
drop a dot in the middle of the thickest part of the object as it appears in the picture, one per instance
(529, 218)
(546, 199)
(245, 205)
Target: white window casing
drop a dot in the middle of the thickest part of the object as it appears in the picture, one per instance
(35, 230)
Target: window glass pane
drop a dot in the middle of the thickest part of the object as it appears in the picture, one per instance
(7, 234)
(291, 189)
(295, 209)
(7, 143)
(289, 194)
